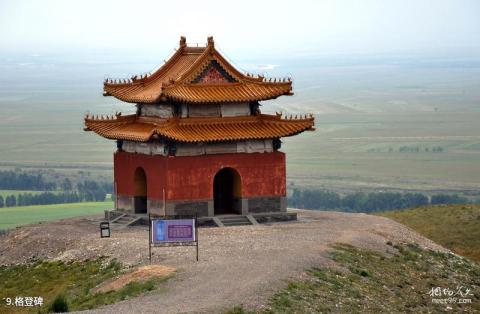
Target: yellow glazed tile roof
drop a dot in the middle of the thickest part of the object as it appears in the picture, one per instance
(142, 129)
(178, 80)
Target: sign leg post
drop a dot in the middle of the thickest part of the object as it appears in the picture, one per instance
(149, 239)
(196, 233)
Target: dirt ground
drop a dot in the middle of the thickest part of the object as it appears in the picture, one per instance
(238, 265)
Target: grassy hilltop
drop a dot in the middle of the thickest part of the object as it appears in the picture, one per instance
(399, 281)
(456, 227)
(396, 277)
(365, 281)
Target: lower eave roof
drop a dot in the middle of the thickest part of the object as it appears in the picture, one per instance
(193, 130)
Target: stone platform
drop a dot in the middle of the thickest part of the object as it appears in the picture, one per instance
(142, 219)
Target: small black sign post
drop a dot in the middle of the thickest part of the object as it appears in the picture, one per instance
(104, 229)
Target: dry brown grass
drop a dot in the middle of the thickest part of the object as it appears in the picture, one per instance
(141, 274)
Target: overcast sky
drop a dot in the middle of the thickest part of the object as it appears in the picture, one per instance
(281, 27)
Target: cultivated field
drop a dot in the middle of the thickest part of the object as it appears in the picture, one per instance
(425, 151)
(372, 115)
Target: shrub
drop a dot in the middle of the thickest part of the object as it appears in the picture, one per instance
(59, 305)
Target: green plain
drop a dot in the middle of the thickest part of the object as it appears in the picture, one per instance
(10, 217)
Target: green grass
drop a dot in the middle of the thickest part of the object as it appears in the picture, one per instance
(456, 227)
(371, 282)
(73, 280)
(11, 217)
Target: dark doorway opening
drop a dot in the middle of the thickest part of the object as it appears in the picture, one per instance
(140, 198)
(227, 192)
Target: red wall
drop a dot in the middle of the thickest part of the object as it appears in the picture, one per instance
(191, 177)
(125, 164)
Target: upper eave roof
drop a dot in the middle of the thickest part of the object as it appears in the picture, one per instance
(192, 130)
(174, 81)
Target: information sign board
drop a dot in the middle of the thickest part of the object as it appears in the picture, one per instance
(173, 230)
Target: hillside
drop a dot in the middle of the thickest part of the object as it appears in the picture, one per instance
(375, 252)
(456, 227)
(407, 279)
(403, 281)
(256, 258)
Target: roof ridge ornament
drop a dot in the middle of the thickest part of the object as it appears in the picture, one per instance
(210, 42)
(183, 42)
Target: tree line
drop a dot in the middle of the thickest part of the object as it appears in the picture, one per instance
(367, 202)
(409, 149)
(84, 191)
(47, 198)
(14, 180)
(19, 180)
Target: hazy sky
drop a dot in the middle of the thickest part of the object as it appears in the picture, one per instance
(276, 26)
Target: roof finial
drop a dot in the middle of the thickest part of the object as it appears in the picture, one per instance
(210, 41)
(183, 41)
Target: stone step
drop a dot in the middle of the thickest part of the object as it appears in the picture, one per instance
(125, 220)
(235, 221)
(234, 218)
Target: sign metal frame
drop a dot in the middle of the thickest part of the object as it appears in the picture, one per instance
(167, 243)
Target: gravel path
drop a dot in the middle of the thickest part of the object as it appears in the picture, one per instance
(238, 265)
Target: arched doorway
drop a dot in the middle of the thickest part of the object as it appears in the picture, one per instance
(227, 191)
(140, 191)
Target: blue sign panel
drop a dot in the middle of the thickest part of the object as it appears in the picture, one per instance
(173, 230)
